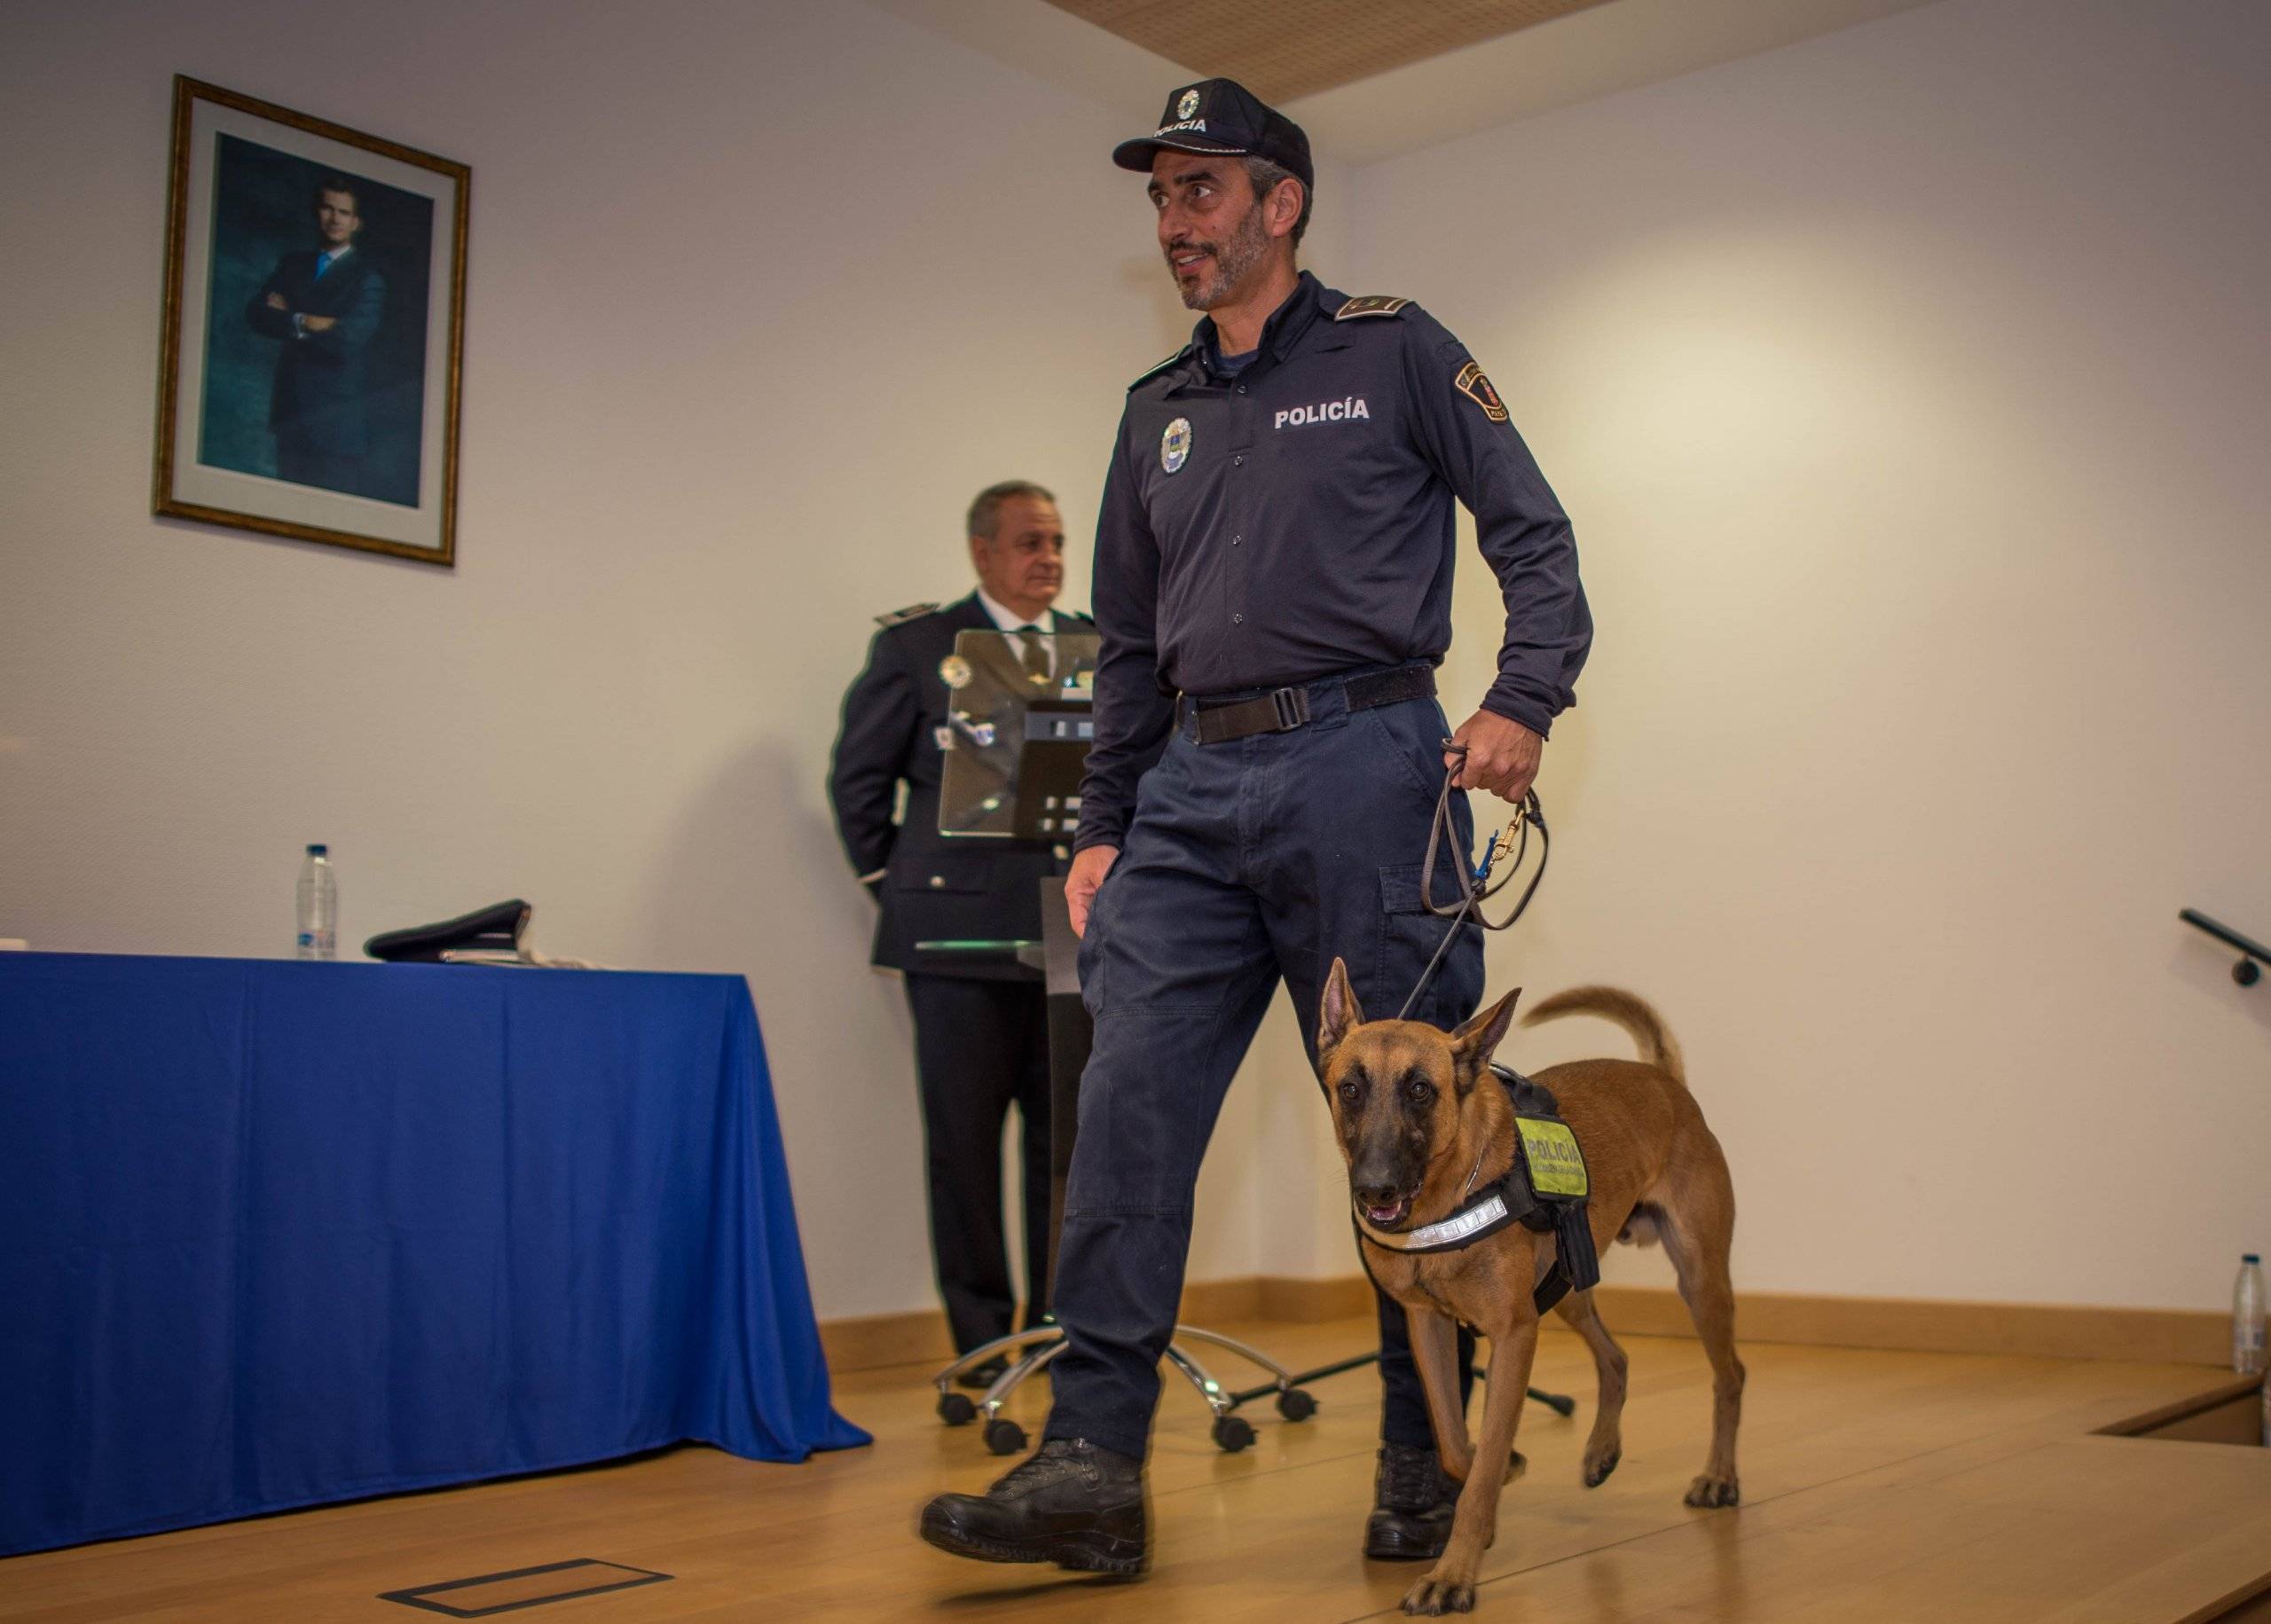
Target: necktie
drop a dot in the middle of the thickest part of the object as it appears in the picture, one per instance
(1035, 654)
(323, 264)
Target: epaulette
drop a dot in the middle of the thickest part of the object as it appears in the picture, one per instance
(1370, 304)
(1161, 367)
(899, 617)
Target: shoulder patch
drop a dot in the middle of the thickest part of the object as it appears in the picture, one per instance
(1147, 376)
(899, 617)
(1370, 304)
(1470, 383)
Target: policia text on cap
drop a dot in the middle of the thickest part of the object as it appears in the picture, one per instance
(1277, 528)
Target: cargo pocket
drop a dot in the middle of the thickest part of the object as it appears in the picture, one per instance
(1399, 895)
(1409, 936)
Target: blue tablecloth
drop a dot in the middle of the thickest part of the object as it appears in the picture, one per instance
(272, 1233)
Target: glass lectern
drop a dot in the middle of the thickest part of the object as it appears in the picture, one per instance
(1018, 724)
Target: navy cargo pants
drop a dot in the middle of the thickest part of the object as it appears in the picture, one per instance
(1246, 862)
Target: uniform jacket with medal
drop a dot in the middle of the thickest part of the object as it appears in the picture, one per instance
(930, 888)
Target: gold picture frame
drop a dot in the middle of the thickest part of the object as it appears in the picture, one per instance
(313, 329)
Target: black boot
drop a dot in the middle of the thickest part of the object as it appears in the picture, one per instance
(1412, 1520)
(1069, 1503)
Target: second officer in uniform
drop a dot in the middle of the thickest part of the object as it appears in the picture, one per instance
(981, 1028)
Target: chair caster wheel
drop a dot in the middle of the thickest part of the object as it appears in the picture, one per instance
(1004, 1436)
(955, 1409)
(1295, 1404)
(1232, 1433)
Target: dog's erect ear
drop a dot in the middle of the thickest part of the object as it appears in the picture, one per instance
(1473, 1044)
(1338, 1015)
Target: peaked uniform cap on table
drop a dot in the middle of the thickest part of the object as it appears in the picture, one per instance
(496, 928)
(1221, 115)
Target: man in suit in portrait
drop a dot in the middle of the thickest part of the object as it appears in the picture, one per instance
(981, 1028)
(324, 304)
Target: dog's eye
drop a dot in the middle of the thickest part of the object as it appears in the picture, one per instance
(1350, 1091)
(1418, 1089)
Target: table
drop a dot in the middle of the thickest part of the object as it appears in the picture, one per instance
(273, 1233)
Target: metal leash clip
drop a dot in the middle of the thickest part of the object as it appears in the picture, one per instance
(1500, 845)
(1511, 843)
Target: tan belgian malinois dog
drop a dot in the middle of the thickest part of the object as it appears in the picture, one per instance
(1423, 1122)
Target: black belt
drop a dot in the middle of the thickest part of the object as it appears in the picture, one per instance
(1283, 709)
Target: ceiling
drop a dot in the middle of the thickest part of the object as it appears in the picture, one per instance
(1287, 48)
(1428, 71)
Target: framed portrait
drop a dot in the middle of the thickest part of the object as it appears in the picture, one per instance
(314, 329)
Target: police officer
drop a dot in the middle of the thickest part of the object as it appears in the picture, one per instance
(980, 1025)
(1273, 585)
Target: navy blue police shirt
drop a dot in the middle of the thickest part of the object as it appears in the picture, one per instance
(1293, 518)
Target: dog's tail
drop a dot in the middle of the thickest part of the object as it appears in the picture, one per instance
(1620, 1008)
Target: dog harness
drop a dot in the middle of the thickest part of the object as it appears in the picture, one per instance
(1545, 1189)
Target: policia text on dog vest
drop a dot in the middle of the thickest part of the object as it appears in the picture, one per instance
(1546, 1189)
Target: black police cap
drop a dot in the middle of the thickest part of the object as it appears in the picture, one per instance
(1221, 115)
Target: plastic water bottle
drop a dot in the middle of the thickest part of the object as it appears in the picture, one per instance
(2247, 1316)
(319, 939)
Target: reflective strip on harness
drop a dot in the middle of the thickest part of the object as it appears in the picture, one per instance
(1468, 1223)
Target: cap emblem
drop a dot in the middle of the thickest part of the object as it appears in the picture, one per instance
(1174, 445)
(1187, 105)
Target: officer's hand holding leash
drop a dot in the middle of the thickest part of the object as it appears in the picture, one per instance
(1499, 753)
(1489, 751)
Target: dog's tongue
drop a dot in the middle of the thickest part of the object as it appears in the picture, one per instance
(1385, 1215)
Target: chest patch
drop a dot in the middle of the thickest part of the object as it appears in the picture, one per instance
(1557, 1167)
(1342, 410)
(1175, 445)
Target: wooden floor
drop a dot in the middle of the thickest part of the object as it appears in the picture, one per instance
(1875, 1486)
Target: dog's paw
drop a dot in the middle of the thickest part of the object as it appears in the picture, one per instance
(1710, 1491)
(1600, 1465)
(1432, 1597)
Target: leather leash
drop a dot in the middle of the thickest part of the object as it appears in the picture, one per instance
(1475, 886)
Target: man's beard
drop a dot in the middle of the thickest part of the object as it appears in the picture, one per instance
(1248, 243)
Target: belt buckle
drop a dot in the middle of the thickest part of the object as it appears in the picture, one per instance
(1292, 708)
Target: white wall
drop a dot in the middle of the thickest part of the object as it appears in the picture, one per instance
(1908, 388)
(1911, 390)
(761, 295)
